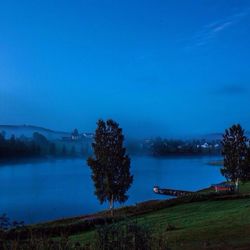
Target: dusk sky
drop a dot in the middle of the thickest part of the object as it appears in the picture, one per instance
(168, 68)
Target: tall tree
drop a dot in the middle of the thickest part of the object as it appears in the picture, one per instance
(40, 139)
(42, 142)
(234, 150)
(110, 164)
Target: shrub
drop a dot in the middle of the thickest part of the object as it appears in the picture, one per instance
(126, 235)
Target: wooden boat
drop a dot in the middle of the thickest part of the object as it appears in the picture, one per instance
(171, 192)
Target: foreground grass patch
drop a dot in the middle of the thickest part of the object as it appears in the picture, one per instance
(209, 221)
(196, 225)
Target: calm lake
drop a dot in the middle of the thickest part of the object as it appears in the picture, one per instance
(43, 191)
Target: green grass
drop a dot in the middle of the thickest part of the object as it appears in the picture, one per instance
(85, 237)
(203, 221)
(244, 187)
(222, 224)
(215, 223)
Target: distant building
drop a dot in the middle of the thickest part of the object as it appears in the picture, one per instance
(88, 135)
(77, 137)
(205, 145)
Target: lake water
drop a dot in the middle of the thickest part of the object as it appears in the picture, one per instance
(49, 190)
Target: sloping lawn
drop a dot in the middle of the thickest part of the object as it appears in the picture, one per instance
(203, 223)
(208, 224)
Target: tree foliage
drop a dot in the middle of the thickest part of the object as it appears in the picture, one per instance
(38, 146)
(64, 151)
(16, 148)
(164, 147)
(110, 164)
(126, 235)
(52, 148)
(73, 151)
(235, 153)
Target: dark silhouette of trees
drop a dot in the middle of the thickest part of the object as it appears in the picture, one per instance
(246, 166)
(41, 141)
(73, 151)
(110, 164)
(126, 235)
(82, 151)
(16, 148)
(52, 149)
(37, 146)
(235, 153)
(165, 147)
(36, 150)
(12, 141)
(64, 151)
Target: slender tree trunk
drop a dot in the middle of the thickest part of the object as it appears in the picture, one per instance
(237, 185)
(111, 205)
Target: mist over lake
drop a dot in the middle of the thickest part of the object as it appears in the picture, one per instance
(48, 190)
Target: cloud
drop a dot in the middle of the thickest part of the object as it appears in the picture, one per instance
(222, 26)
(233, 89)
(210, 31)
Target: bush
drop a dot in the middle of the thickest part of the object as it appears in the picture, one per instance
(6, 223)
(126, 235)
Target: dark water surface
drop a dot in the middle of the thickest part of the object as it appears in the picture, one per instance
(44, 191)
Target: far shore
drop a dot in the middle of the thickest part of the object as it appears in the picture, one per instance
(216, 163)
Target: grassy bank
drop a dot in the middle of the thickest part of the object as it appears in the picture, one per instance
(202, 221)
(221, 224)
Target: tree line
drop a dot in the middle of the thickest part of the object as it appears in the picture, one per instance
(15, 147)
(164, 147)
(38, 146)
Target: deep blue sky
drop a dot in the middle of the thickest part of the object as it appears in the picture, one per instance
(157, 67)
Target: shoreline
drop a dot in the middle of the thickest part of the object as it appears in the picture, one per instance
(86, 222)
(35, 159)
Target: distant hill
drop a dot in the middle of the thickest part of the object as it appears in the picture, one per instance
(28, 130)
